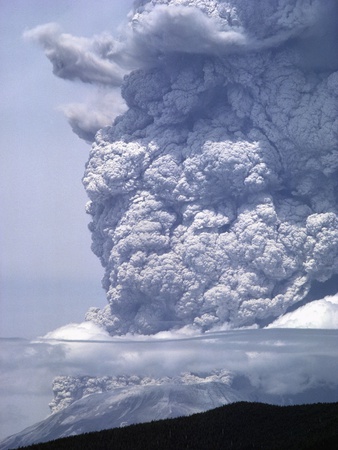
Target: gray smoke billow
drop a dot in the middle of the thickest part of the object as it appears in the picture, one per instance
(214, 196)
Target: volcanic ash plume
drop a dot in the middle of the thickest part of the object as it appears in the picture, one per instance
(214, 196)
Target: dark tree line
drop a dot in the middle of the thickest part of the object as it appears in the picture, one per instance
(241, 425)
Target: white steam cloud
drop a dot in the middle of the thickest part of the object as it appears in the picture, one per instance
(317, 314)
(214, 196)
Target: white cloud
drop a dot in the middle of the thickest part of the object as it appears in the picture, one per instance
(279, 365)
(78, 331)
(317, 314)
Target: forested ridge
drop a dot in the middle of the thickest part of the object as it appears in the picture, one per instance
(241, 425)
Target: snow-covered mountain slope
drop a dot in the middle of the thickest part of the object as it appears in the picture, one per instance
(125, 406)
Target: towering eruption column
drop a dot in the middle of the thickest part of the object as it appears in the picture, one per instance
(214, 197)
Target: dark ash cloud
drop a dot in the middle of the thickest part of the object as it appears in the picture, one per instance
(214, 196)
(97, 112)
(78, 58)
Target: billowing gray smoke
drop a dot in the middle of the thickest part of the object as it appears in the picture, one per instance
(214, 197)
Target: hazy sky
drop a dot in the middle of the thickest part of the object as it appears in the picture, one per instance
(49, 276)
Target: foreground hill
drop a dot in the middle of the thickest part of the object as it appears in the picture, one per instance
(240, 425)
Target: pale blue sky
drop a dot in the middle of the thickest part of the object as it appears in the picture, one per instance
(49, 276)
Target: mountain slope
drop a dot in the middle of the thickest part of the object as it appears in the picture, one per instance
(124, 406)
